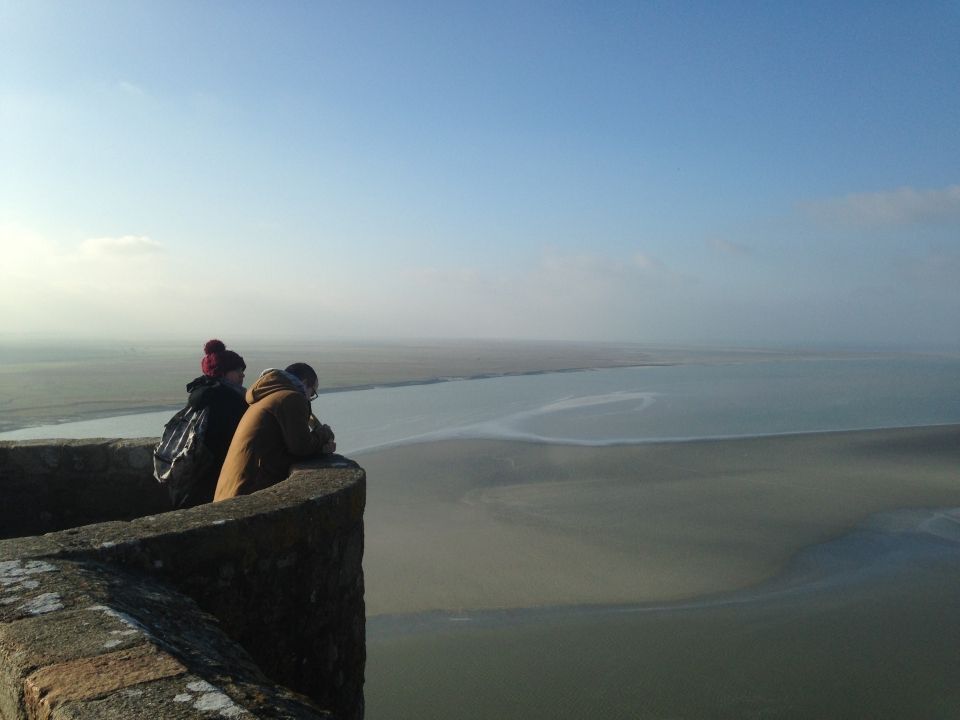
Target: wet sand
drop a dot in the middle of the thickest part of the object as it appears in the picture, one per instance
(717, 579)
(879, 650)
(465, 525)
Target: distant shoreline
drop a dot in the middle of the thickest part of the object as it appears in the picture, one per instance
(101, 399)
(67, 387)
(137, 409)
(89, 416)
(483, 376)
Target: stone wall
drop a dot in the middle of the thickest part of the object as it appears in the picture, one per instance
(217, 598)
(50, 486)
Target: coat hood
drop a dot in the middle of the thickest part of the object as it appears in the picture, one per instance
(272, 381)
(202, 382)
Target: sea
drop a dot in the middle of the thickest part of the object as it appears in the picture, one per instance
(793, 648)
(620, 405)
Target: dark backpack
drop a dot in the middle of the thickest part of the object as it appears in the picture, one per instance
(181, 457)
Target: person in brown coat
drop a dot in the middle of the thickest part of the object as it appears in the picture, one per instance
(274, 432)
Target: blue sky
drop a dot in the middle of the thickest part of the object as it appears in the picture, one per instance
(734, 173)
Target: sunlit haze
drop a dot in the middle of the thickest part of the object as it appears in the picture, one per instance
(737, 173)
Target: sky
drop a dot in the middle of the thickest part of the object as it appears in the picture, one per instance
(733, 173)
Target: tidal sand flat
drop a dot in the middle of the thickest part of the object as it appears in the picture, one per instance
(462, 525)
(774, 577)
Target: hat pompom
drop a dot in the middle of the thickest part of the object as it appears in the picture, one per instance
(214, 346)
(218, 361)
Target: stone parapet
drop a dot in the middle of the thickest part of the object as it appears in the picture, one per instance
(49, 486)
(190, 611)
(87, 640)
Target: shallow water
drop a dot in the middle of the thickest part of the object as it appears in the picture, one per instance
(871, 652)
(623, 405)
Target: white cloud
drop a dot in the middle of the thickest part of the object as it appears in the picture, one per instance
(127, 285)
(98, 284)
(125, 246)
(902, 206)
(559, 295)
(591, 296)
(21, 249)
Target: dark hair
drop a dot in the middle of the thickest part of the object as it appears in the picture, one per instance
(307, 375)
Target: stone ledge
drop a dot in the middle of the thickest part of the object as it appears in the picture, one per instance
(179, 614)
(115, 639)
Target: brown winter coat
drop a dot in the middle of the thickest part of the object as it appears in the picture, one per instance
(272, 434)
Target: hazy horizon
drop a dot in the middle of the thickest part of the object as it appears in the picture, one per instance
(677, 174)
(238, 341)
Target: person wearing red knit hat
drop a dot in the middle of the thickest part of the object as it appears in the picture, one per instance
(220, 388)
(219, 362)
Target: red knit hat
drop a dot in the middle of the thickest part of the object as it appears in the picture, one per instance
(218, 361)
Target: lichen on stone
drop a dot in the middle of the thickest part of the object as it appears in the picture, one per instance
(42, 604)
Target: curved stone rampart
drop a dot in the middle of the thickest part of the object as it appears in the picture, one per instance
(49, 486)
(216, 598)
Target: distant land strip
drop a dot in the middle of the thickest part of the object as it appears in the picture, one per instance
(28, 416)
(481, 376)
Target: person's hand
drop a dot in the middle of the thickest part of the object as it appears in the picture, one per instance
(326, 436)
